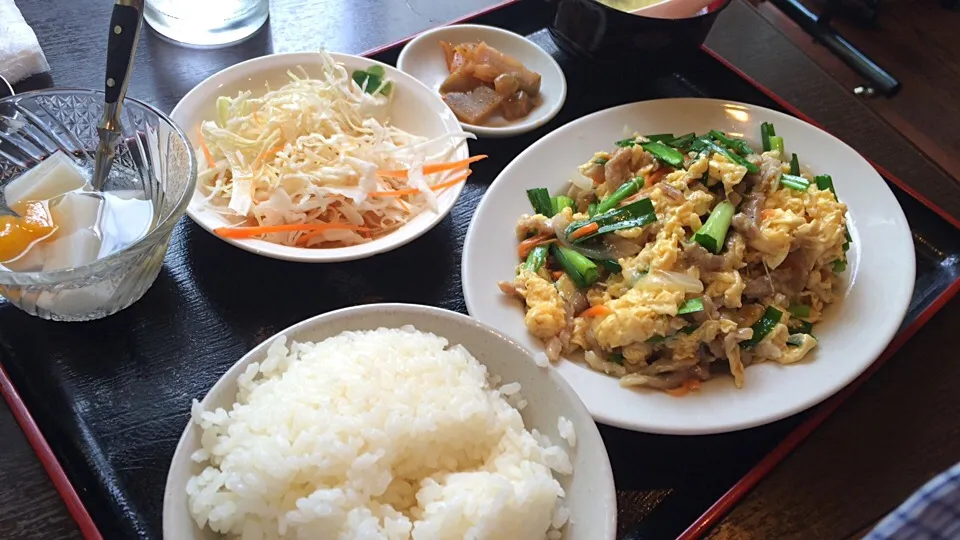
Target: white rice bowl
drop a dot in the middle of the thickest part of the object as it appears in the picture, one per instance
(387, 433)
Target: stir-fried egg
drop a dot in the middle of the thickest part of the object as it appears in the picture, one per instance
(732, 268)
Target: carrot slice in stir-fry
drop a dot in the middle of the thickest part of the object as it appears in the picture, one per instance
(527, 245)
(598, 310)
(685, 388)
(586, 230)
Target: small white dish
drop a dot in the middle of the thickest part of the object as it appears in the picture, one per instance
(415, 109)
(877, 285)
(590, 492)
(423, 59)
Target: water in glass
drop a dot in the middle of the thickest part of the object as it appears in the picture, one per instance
(206, 23)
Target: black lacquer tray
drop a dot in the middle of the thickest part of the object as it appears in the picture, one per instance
(104, 403)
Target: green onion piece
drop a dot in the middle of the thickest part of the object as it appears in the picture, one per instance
(656, 339)
(799, 310)
(689, 329)
(616, 358)
(700, 144)
(600, 160)
(558, 203)
(769, 320)
(766, 130)
(682, 141)
(795, 340)
(825, 181)
(797, 183)
(739, 146)
(611, 265)
(805, 327)
(795, 165)
(636, 209)
(692, 305)
(540, 200)
(372, 81)
(645, 219)
(776, 143)
(376, 70)
(664, 153)
(592, 209)
(713, 233)
(582, 271)
(839, 266)
(628, 188)
(717, 149)
(626, 143)
(635, 214)
(661, 137)
(537, 258)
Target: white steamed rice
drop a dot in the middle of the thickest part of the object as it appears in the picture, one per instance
(377, 434)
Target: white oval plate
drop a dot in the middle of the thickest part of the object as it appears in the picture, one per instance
(878, 282)
(415, 109)
(591, 497)
(423, 59)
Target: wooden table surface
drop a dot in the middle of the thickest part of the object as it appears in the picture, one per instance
(894, 434)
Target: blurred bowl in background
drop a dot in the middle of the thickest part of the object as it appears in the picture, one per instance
(153, 156)
(594, 31)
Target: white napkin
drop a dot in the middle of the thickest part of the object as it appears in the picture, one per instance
(20, 53)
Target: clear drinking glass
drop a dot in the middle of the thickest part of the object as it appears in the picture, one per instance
(153, 156)
(206, 23)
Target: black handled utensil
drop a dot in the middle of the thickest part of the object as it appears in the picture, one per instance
(121, 48)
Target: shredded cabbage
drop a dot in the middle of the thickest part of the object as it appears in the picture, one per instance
(310, 152)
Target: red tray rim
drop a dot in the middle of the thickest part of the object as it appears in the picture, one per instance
(708, 519)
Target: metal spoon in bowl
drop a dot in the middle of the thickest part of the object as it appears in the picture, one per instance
(6, 90)
(121, 48)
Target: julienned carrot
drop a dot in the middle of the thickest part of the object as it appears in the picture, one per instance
(453, 181)
(556, 275)
(527, 245)
(304, 238)
(206, 151)
(413, 191)
(434, 167)
(263, 157)
(685, 388)
(598, 310)
(247, 232)
(586, 230)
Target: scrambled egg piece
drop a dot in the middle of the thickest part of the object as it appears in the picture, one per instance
(545, 316)
(664, 251)
(697, 169)
(636, 316)
(824, 235)
(726, 285)
(725, 171)
(777, 227)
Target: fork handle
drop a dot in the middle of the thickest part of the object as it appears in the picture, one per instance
(125, 25)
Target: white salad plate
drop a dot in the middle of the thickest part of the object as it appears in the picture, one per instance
(877, 284)
(590, 493)
(422, 58)
(414, 108)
